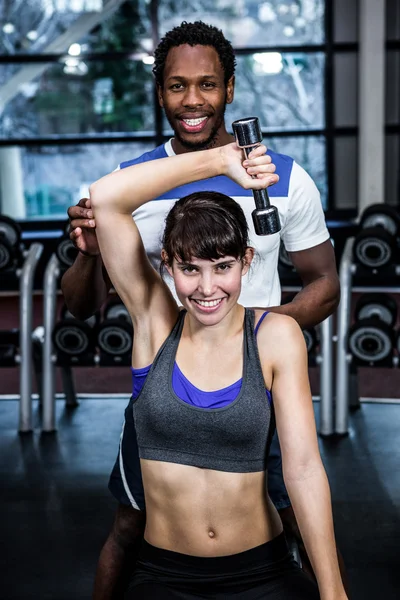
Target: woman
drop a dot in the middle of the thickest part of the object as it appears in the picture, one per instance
(203, 378)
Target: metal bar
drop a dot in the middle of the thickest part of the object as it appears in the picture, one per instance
(25, 337)
(68, 386)
(342, 360)
(51, 275)
(371, 105)
(326, 378)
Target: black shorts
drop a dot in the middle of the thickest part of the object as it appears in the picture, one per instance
(267, 572)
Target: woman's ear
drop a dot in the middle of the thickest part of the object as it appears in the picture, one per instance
(247, 259)
(165, 261)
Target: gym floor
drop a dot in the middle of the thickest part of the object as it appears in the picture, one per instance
(56, 510)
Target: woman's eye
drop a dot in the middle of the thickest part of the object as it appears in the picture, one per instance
(223, 267)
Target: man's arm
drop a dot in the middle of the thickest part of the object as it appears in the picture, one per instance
(86, 284)
(119, 554)
(320, 295)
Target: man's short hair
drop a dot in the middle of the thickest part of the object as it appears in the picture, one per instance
(194, 34)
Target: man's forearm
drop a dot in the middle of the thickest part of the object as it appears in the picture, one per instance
(313, 304)
(85, 286)
(114, 569)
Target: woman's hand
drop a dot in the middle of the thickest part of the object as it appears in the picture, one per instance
(256, 172)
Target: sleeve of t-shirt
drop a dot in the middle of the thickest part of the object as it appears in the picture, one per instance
(305, 225)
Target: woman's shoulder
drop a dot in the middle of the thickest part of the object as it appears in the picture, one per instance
(277, 332)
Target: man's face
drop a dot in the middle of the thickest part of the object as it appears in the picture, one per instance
(194, 96)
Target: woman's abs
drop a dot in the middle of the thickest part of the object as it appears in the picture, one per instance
(202, 512)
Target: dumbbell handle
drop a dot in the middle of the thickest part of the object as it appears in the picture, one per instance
(261, 197)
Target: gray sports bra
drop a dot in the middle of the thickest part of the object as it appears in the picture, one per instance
(234, 438)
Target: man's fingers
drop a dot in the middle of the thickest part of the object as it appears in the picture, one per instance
(83, 224)
(83, 202)
(76, 212)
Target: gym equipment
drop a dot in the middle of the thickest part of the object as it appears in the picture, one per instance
(376, 245)
(10, 244)
(74, 340)
(9, 343)
(115, 335)
(265, 216)
(371, 339)
(311, 339)
(378, 342)
(66, 251)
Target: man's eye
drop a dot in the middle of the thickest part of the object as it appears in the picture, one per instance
(208, 84)
(176, 86)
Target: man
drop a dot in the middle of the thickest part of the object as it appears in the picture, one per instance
(194, 73)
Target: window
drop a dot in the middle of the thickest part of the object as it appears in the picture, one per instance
(77, 94)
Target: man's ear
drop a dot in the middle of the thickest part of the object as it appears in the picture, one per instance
(247, 259)
(160, 95)
(230, 90)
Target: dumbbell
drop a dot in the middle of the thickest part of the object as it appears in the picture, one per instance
(376, 246)
(265, 216)
(73, 339)
(115, 333)
(66, 251)
(371, 339)
(10, 240)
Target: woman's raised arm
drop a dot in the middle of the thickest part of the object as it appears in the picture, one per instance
(115, 196)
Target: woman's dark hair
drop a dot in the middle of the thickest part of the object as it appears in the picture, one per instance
(194, 34)
(206, 225)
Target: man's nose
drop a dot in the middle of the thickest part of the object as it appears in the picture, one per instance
(193, 96)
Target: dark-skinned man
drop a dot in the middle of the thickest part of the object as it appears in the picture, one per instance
(194, 73)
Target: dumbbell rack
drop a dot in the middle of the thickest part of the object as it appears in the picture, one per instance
(26, 276)
(346, 274)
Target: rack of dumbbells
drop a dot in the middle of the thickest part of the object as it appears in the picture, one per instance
(319, 342)
(366, 336)
(17, 269)
(102, 340)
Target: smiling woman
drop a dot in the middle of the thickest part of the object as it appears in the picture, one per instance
(202, 375)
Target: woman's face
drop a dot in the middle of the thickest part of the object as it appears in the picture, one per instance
(208, 289)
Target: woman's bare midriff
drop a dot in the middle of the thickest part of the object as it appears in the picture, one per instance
(202, 512)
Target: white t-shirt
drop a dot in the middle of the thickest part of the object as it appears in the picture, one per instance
(300, 211)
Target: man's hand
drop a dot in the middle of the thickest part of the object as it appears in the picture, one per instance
(83, 228)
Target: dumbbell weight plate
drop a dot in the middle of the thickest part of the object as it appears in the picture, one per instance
(381, 306)
(371, 341)
(310, 337)
(10, 230)
(73, 337)
(381, 215)
(374, 248)
(6, 252)
(116, 310)
(66, 252)
(115, 337)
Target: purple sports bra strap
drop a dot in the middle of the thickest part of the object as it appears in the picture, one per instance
(260, 321)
